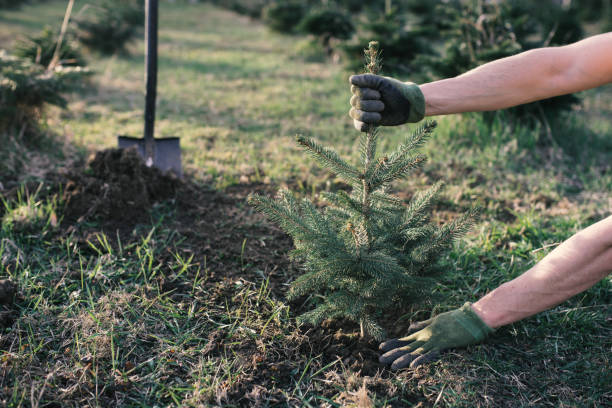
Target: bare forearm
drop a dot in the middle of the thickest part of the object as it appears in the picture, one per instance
(499, 84)
(574, 266)
(522, 78)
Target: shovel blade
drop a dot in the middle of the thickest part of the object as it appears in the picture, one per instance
(166, 152)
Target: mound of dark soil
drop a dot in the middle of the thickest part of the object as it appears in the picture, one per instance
(115, 185)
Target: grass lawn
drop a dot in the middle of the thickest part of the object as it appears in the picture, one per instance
(184, 305)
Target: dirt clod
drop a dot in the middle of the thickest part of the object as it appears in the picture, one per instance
(8, 293)
(8, 290)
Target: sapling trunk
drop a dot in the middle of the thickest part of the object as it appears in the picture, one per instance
(373, 67)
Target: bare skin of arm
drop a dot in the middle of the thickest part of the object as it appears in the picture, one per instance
(522, 78)
(585, 258)
(572, 267)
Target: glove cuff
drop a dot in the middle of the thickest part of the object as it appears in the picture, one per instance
(412, 92)
(471, 322)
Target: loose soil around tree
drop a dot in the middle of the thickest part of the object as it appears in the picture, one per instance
(115, 195)
(153, 289)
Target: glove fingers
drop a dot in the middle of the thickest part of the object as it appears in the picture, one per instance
(403, 361)
(394, 354)
(414, 327)
(365, 93)
(425, 358)
(367, 117)
(367, 105)
(366, 80)
(419, 355)
(393, 344)
(403, 341)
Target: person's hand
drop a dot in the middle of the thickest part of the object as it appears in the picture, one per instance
(379, 100)
(457, 328)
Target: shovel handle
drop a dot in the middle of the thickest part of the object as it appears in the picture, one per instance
(151, 23)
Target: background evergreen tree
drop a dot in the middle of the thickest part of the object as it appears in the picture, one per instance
(366, 251)
(284, 16)
(401, 40)
(479, 31)
(327, 24)
(40, 48)
(26, 87)
(111, 25)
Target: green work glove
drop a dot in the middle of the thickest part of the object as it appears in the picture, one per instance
(457, 328)
(379, 100)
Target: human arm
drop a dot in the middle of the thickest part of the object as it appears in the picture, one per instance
(526, 77)
(572, 267)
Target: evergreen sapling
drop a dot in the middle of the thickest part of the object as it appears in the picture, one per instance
(367, 251)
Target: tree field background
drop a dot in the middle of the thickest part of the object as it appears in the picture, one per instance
(127, 287)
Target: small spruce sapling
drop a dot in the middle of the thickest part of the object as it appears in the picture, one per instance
(367, 251)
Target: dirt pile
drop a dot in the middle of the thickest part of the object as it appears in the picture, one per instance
(115, 185)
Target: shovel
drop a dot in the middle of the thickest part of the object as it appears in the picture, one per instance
(165, 154)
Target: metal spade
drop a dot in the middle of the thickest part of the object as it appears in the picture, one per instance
(165, 153)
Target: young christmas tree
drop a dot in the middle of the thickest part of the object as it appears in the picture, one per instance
(367, 251)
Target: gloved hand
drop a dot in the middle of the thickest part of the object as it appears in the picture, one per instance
(457, 328)
(379, 100)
